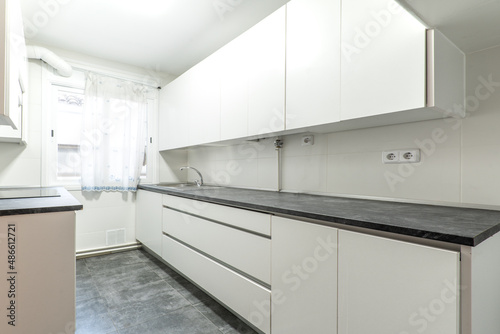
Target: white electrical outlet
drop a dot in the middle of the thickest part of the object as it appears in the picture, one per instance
(390, 157)
(409, 156)
(308, 140)
(401, 156)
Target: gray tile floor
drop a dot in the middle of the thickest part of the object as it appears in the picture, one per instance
(134, 293)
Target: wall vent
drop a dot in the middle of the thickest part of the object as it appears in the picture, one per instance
(115, 237)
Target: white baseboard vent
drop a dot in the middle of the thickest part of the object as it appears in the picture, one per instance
(115, 237)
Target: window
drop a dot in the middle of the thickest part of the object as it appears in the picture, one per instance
(68, 127)
(64, 128)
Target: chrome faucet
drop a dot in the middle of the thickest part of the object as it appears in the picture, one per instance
(199, 182)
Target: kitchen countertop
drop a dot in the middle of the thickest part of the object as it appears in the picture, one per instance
(461, 226)
(59, 200)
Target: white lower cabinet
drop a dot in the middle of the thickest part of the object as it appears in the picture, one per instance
(286, 276)
(389, 286)
(226, 251)
(304, 278)
(149, 219)
(241, 250)
(256, 222)
(247, 298)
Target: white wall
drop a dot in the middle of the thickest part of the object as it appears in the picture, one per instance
(460, 158)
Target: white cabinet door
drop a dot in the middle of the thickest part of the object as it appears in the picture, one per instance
(304, 278)
(204, 112)
(174, 109)
(266, 67)
(148, 222)
(13, 68)
(388, 286)
(234, 88)
(383, 62)
(312, 63)
(257, 222)
(245, 297)
(242, 250)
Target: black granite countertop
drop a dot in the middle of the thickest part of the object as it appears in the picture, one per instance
(461, 226)
(56, 199)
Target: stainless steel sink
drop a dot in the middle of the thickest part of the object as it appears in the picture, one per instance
(187, 186)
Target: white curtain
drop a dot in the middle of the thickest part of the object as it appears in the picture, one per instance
(114, 134)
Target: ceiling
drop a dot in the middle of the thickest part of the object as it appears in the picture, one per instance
(173, 35)
(473, 25)
(162, 35)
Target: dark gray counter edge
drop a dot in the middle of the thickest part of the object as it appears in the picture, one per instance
(475, 239)
(26, 206)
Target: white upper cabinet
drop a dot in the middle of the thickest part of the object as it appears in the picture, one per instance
(236, 92)
(390, 63)
(266, 68)
(204, 111)
(234, 88)
(389, 286)
(317, 65)
(190, 107)
(383, 59)
(13, 70)
(174, 109)
(312, 63)
(253, 80)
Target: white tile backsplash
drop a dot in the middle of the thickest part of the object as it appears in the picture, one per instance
(305, 174)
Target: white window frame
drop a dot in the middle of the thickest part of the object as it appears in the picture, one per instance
(49, 144)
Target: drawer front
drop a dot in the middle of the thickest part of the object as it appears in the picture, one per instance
(244, 251)
(248, 299)
(245, 219)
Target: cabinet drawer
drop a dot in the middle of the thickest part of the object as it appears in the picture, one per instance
(244, 251)
(248, 220)
(248, 299)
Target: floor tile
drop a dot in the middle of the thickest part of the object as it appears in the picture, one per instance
(134, 292)
(106, 262)
(86, 288)
(145, 310)
(145, 256)
(92, 317)
(187, 289)
(81, 267)
(139, 293)
(123, 278)
(227, 322)
(185, 320)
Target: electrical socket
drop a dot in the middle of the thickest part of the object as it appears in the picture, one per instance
(409, 156)
(390, 157)
(308, 140)
(401, 156)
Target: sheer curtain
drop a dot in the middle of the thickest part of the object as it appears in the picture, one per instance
(114, 134)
